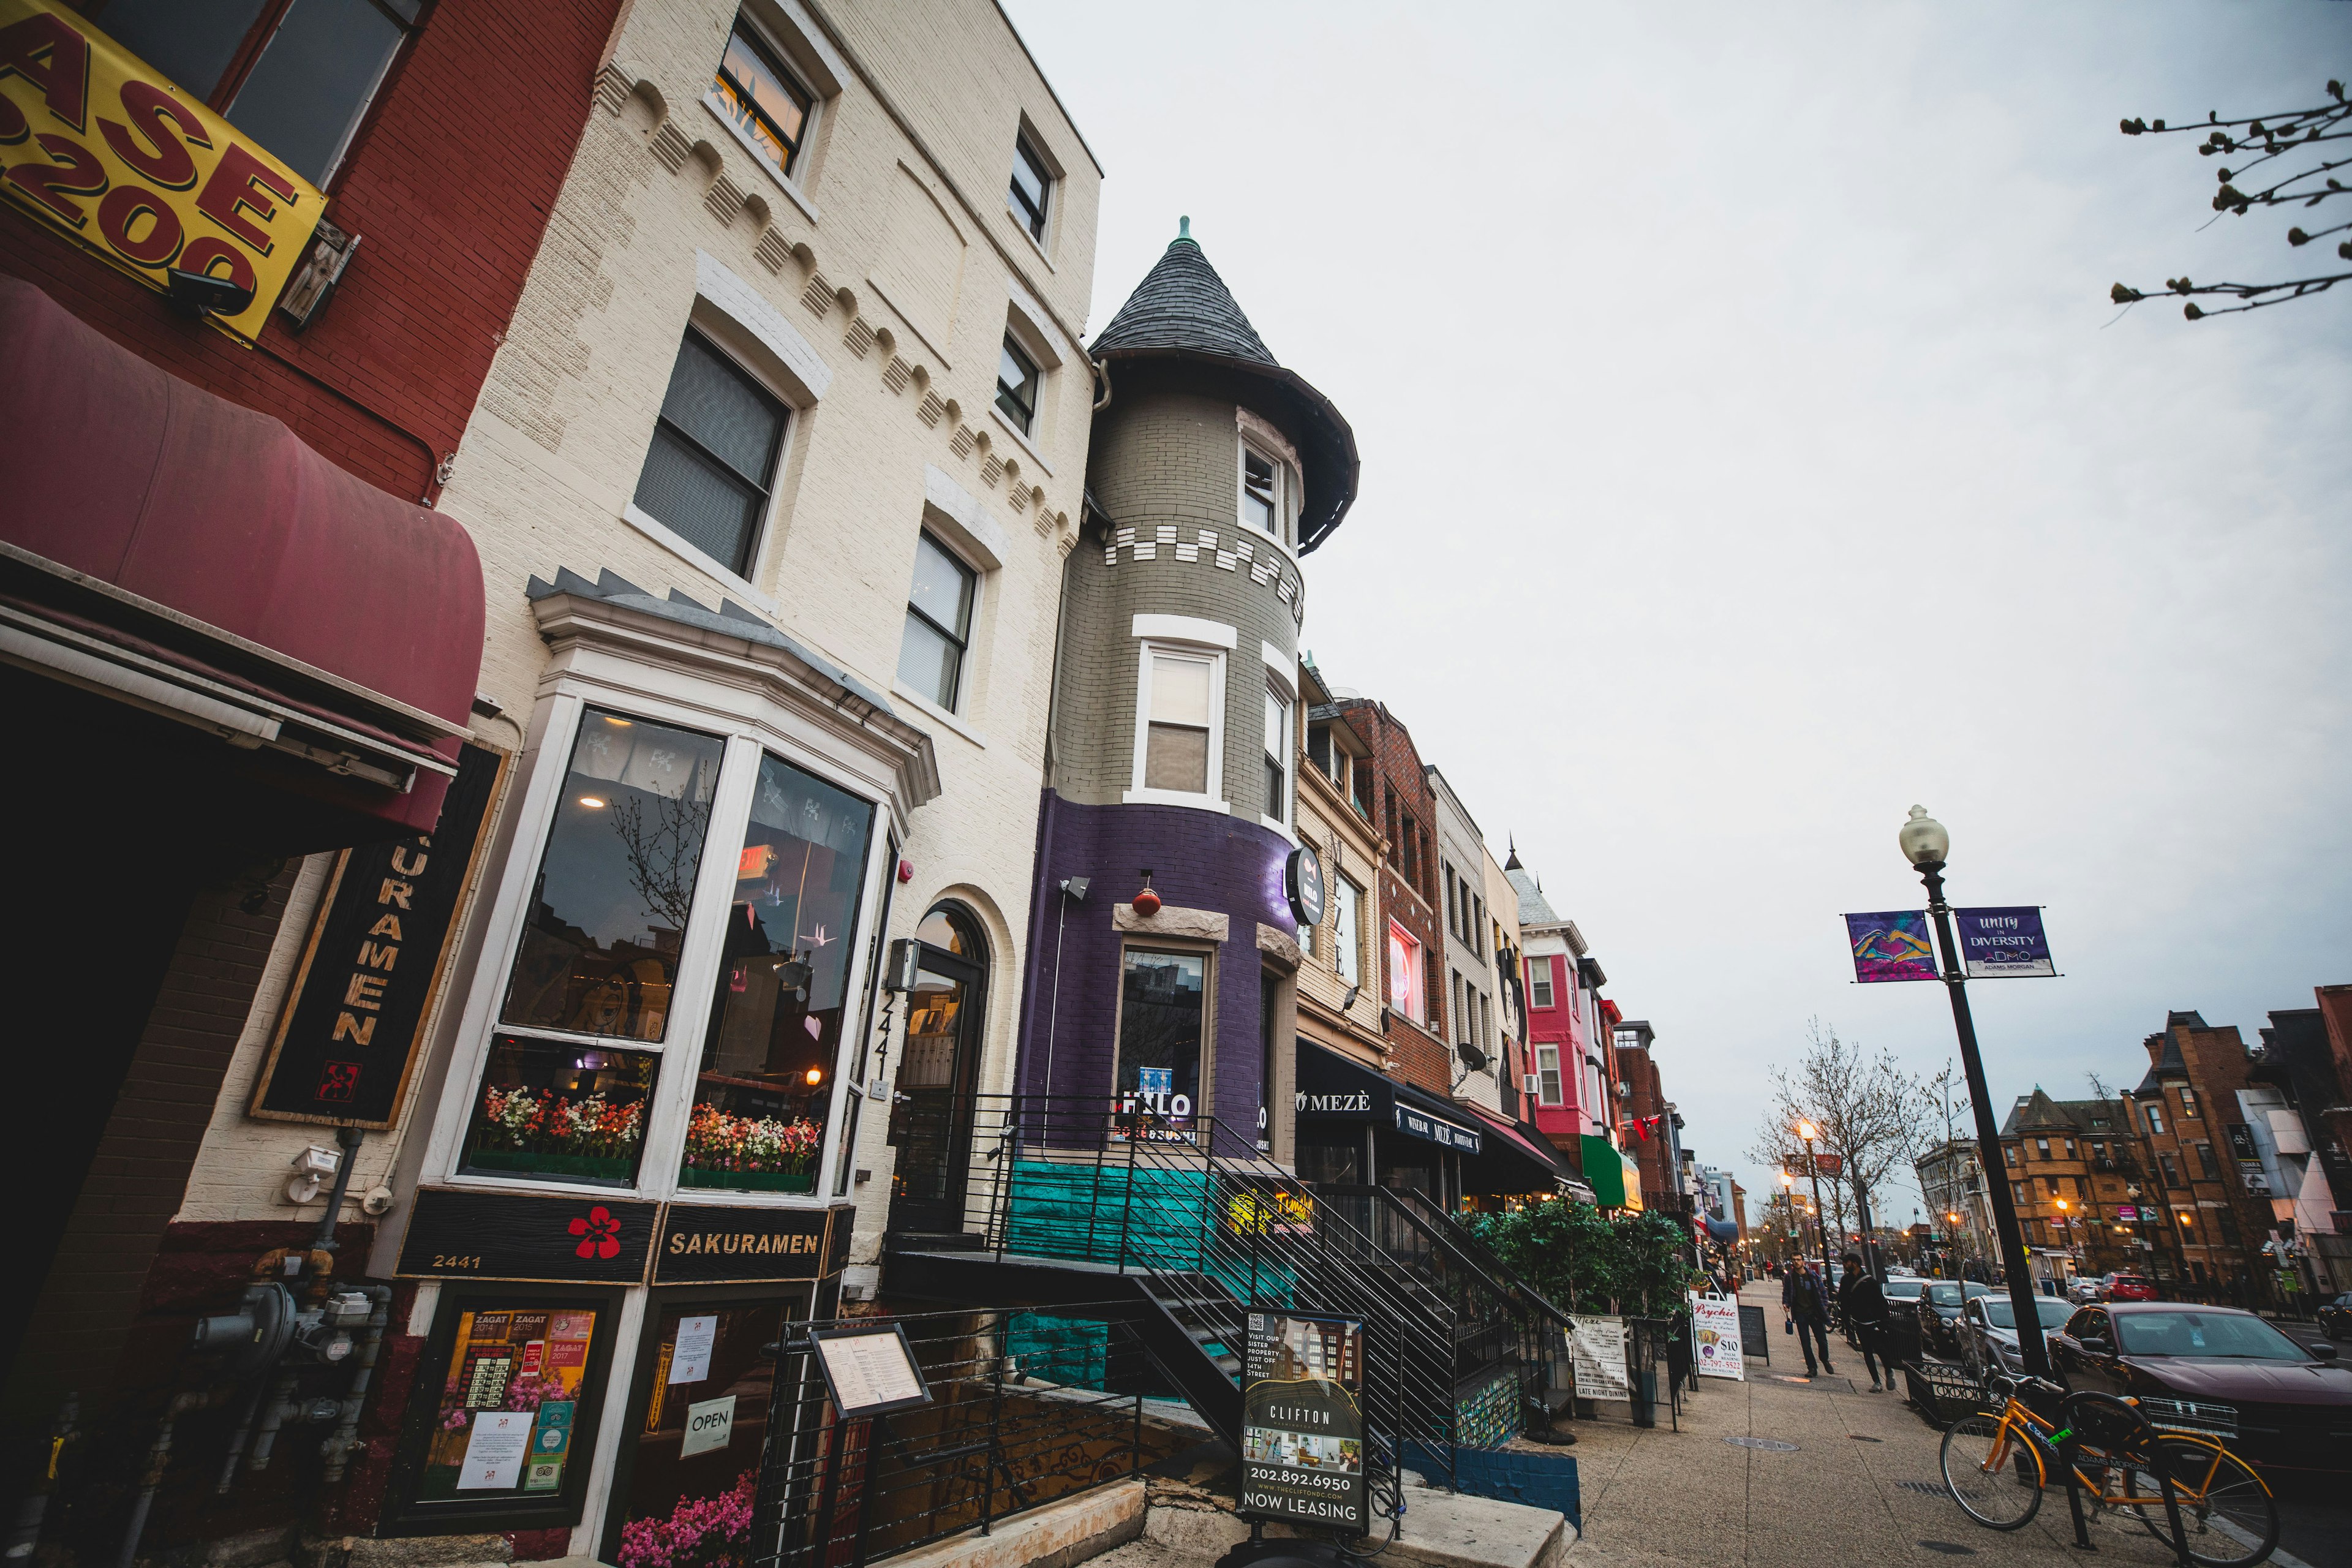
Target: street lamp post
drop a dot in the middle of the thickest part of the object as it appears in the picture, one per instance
(1925, 845)
(1821, 1225)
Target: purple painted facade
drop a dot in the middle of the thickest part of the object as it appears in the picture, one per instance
(1199, 860)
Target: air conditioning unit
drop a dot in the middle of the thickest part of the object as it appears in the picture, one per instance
(1531, 1083)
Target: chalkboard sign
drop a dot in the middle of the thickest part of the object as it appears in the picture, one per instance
(1755, 1334)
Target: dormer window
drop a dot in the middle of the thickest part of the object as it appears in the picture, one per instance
(760, 98)
(1032, 185)
(1261, 492)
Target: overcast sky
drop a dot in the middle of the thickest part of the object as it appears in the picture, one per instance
(1750, 446)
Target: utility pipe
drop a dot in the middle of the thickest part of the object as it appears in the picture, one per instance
(158, 1454)
(345, 1437)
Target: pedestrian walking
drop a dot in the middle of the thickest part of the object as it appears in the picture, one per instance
(1863, 1303)
(1808, 1308)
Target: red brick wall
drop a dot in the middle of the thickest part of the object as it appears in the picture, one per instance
(449, 184)
(1421, 1057)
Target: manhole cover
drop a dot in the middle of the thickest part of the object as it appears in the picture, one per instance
(1925, 1488)
(1949, 1547)
(1860, 1438)
(1769, 1445)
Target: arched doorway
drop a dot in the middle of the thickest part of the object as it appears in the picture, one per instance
(931, 1118)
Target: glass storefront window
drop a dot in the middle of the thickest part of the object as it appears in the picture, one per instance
(693, 1455)
(766, 1079)
(608, 913)
(560, 1108)
(512, 1397)
(1162, 1001)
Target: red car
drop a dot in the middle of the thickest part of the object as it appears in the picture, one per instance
(2132, 1288)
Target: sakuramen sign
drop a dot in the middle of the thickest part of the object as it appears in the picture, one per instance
(1303, 1421)
(101, 145)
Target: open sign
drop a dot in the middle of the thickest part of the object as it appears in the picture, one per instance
(709, 1425)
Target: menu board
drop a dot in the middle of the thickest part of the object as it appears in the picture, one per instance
(870, 1372)
(1303, 1421)
(510, 1390)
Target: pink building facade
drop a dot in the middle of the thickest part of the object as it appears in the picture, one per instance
(1570, 1073)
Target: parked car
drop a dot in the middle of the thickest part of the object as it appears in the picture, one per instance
(2084, 1289)
(2335, 1317)
(1903, 1293)
(1989, 1330)
(1938, 1315)
(2220, 1370)
(2131, 1288)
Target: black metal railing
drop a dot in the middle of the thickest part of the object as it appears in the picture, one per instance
(1026, 1408)
(1206, 1226)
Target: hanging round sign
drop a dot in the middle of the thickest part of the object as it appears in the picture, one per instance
(1302, 879)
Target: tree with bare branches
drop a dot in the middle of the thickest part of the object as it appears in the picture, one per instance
(1864, 1107)
(2274, 161)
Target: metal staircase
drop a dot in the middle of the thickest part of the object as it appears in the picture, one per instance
(1068, 1203)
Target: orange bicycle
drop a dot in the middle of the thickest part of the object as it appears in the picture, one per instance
(1997, 1467)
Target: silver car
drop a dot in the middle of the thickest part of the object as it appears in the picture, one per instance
(1989, 1330)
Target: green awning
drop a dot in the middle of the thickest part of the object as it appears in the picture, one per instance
(1604, 1171)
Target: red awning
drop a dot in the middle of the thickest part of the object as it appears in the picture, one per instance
(1509, 1133)
(193, 557)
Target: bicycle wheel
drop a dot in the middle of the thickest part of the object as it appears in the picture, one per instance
(2002, 1498)
(2227, 1514)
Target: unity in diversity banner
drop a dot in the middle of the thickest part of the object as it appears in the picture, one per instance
(1998, 943)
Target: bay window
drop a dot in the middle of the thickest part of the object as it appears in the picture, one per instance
(1539, 982)
(1548, 1082)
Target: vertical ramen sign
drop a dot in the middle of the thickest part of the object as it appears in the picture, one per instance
(99, 144)
(1303, 1421)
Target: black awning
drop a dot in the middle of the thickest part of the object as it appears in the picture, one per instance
(1333, 1088)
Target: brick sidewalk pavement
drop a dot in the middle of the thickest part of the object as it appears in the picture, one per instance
(1861, 1485)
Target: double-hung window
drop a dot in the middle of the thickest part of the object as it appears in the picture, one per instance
(760, 98)
(2155, 1120)
(708, 472)
(1033, 187)
(297, 76)
(1548, 1082)
(1405, 983)
(1539, 982)
(1278, 757)
(1176, 746)
(1261, 492)
(938, 624)
(1016, 387)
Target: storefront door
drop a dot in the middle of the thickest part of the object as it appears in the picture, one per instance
(689, 1464)
(932, 1124)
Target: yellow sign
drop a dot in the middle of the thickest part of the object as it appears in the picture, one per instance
(1264, 1213)
(104, 146)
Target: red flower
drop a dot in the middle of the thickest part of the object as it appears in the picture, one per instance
(600, 1233)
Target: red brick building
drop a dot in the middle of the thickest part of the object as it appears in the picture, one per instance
(2185, 1106)
(241, 336)
(1404, 812)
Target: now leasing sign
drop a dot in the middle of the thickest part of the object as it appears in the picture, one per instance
(102, 146)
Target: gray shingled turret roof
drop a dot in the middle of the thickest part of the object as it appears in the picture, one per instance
(1535, 910)
(1183, 311)
(2164, 1062)
(1182, 303)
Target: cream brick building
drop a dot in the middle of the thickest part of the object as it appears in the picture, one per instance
(772, 481)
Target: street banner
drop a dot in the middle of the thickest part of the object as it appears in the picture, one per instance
(2004, 943)
(1598, 1348)
(1715, 1324)
(1891, 945)
(1303, 1421)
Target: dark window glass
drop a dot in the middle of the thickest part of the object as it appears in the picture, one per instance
(307, 92)
(2171, 1172)
(766, 1082)
(560, 1108)
(1030, 185)
(938, 624)
(2236, 1336)
(193, 45)
(702, 1352)
(713, 456)
(600, 952)
(1277, 757)
(1162, 997)
(514, 1363)
(2205, 1162)
(1016, 387)
(762, 99)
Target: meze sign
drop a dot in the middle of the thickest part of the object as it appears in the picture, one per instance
(1303, 1421)
(103, 145)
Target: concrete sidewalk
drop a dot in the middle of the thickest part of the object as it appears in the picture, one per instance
(1861, 1485)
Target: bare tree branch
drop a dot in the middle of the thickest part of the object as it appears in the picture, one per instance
(2265, 140)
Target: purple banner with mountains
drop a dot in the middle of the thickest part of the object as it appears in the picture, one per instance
(1891, 945)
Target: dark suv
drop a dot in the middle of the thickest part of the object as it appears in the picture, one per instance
(1939, 1315)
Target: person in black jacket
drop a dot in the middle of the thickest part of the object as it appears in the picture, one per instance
(1863, 1305)
(1808, 1306)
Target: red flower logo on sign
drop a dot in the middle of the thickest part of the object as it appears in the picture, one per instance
(600, 1233)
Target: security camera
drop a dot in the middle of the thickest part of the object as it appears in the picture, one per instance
(378, 1202)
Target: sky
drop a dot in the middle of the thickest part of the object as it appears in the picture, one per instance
(1750, 450)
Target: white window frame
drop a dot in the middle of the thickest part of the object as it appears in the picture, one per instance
(1282, 487)
(1348, 935)
(966, 664)
(823, 86)
(554, 729)
(1179, 636)
(1542, 993)
(1549, 1084)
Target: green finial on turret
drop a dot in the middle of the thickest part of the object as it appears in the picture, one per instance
(1183, 234)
